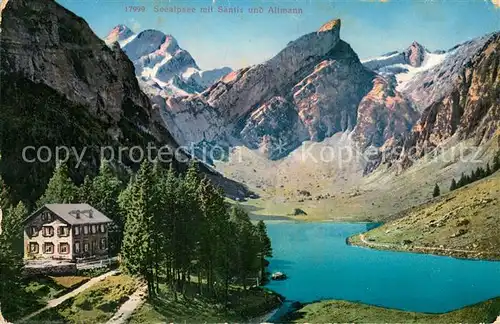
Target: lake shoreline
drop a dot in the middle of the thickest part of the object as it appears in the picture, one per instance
(329, 310)
(355, 240)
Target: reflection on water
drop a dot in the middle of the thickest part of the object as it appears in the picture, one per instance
(320, 265)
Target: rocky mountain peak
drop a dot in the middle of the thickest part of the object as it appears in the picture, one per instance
(333, 24)
(118, 33)
(169, 45)
(415, 54)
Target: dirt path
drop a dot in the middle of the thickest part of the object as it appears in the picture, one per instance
(497, 321)
(127, 309)
(55, 302)
(413, 247)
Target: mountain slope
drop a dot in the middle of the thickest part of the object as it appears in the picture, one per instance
(463, 223)
(62, 86)
(461, 95)
(308, 91)
(158, 58)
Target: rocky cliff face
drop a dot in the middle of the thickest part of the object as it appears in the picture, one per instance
(308, 91)
(434, 83)
(63, 86)
(472, 106)
(462, 95)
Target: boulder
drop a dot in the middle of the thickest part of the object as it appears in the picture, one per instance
(278, 276)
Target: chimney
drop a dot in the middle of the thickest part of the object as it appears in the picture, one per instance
(76, 213)
(91, 213)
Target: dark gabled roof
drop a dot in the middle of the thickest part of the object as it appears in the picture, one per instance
(68, 212)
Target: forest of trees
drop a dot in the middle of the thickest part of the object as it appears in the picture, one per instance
(178, 227)
(477, 174)
(167, 227)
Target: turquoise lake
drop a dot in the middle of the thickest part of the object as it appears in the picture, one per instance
(320, 265)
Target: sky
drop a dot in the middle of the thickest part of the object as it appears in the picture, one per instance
(371, 27)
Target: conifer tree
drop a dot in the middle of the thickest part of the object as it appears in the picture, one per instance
(461, 182)
(60, 189)
(11, 249)
(106, 188)
(168, 224)
(213, 218)
(247, 244)
(453, 185)
(187, 223)
(14, 227)
(86, 191)
(437, 191)
(137, 248)
(488, 171)
(265, 249)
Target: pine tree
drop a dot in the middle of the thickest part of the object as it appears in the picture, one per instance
(14, 227)
(265, 249)
(453, 185)
(213, 218)
(437, 191)
(227, 257)
(170, 204)
(86, 191)
(247, 261)
(11, 250)
(480, 173)
(105, 190)
(462, 181)
(60, 189)
(187, 224)
(137, 248)
(488, 170)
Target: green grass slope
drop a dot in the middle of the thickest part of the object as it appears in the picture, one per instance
(463, 223)
(349, 312)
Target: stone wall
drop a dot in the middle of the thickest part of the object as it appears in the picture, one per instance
(56, 269)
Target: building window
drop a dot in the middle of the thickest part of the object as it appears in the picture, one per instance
(103, 244)
(33, 247)
(94, 229)
(85, 247)
(63, 248)
(46, 216)
(63, 231)
(94, 246)
(48, 231)
(103, 228)
(33, 231)
(48, 248)
(77, 247)
(76, 230)
(85, 229)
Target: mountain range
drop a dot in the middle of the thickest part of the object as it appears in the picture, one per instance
(68, 87)
(317, 87)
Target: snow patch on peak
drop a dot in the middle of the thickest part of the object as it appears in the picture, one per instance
(118, 34)
(431, 60)
(159, 58)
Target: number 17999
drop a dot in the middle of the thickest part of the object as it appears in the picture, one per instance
(135, 8)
